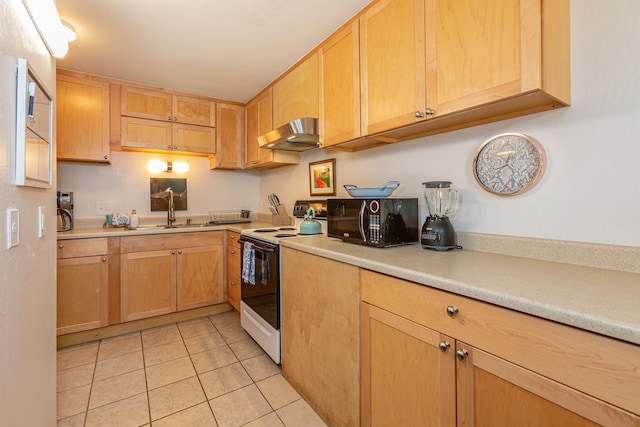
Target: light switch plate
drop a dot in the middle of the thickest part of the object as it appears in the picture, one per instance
(104, 208)
(13, 227)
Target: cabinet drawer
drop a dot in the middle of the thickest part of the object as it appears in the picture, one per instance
(159, 242)
(603, 367)
(82, 247)
(232, 239)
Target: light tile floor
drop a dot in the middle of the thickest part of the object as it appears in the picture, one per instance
(202, 372)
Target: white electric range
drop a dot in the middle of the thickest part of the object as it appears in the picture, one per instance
(261, 296)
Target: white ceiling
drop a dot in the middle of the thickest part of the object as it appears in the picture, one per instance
(228, 49)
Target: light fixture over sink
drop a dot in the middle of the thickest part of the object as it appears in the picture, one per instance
(157, 166)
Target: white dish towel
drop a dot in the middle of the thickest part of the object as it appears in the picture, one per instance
(248, 264)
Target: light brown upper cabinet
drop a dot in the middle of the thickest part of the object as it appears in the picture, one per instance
(159, 120)
(228, 137)
(392, 67)
(161, 105)
(430, 66)
(296, 94)
(82, 118)
(339, 61)
(258, 121)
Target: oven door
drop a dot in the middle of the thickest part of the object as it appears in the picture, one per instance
(261, 290)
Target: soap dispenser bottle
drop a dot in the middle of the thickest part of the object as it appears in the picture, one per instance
(133, 219)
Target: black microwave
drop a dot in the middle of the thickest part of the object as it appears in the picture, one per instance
(373, 222)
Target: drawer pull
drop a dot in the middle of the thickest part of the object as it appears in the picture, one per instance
(462, 354)
(452, 311)
(444, 346)
(233, 283)
(233, 252)
(104, 259)
(61, 245)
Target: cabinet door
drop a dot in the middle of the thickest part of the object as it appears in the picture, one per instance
(258, 122)
(321, 334)
(479, 52)
(296, 94)
(194, 139)
(339, 61)
(229, 142)
(492, 391)
(147, 284)
(233, 276)
(392, 64)
(145, 103)
(408, 372)
(82, 293)
(193, 111)
(82, 119)
(200, 276)
(145, 134)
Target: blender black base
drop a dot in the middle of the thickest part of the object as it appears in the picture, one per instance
(440, 248)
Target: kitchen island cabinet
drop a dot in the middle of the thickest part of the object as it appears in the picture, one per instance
(162, 274)
(82, 117)
(320, 334)
(258, 121)
(500, 367)
(82, 285)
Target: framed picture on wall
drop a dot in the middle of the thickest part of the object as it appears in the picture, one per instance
(322, 178)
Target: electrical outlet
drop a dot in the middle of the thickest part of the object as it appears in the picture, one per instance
(13, 227)
(104, 208)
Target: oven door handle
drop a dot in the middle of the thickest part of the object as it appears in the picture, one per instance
(259, 248)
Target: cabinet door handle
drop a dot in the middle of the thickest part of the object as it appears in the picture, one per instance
(175, 119)
(104, 259)
(61, 245)
(419, 114)
(452, 311)
(430, 111)
(233, 283)
(233, 252)
(462, 354)
(175, 147)
(444, 346)
(169, 118)
(173, 252)
(106, 157)
(180, 252)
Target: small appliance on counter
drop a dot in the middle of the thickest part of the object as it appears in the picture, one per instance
(438, 232)
(65, 210)
(378, 222)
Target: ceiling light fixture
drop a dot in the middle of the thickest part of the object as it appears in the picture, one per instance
(157, 166)
(45, 17)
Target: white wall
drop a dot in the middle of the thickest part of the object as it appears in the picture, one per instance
(125, 184)
(27, 272)
(591, 189)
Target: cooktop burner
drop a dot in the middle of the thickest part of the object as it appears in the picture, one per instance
(286, 228)
(285, 235)
(265, 230)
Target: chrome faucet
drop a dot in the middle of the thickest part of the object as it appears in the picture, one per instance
(171, 209)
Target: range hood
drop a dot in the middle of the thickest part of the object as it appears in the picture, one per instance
(298, 135)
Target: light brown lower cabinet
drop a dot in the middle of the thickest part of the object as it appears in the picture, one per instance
(82, 283)
(161, 274)
(321, 334)
(234, 259)
(431, 358)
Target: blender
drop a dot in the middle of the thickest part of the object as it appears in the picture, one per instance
(437, 231)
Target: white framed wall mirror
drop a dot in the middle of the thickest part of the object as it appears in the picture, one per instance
(34, 129)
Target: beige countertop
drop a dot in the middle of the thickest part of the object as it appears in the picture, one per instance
(595, 299)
